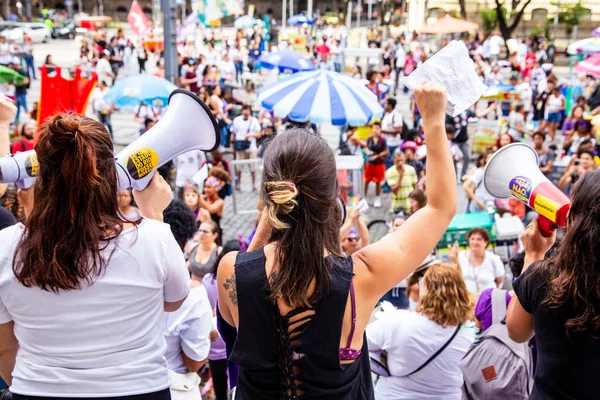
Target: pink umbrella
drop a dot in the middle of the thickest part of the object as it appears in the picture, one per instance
(590, 66)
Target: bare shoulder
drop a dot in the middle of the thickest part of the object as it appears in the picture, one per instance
(226, 278)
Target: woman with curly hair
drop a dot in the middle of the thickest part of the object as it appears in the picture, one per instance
(558, 300)
(424, 348)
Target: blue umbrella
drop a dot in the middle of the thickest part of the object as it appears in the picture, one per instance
(245, 22)
(287, 61)
(299, 19)
(321, 97)
(132, 91)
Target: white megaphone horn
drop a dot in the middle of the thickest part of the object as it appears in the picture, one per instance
(188, 124)
(513, 171)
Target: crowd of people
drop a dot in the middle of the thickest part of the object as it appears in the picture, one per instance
(308, 303)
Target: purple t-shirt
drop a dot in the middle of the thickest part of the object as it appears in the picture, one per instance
(483, 310)
(568, 125)
(217, 348)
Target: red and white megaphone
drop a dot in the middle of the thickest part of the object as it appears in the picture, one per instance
(513, 171)
(188, 124)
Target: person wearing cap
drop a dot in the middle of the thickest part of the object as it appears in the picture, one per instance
(402, 179)
(409, 148)
(103, 68)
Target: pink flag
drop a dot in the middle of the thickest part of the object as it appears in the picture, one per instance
(137, 19)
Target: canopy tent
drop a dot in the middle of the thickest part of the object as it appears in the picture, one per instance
(585, 46)
(447, 24)
(590, 66)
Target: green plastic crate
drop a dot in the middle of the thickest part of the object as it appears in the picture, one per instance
(461, 224)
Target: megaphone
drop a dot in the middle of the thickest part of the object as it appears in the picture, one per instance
(187, 125)
(21, 168)
(513, 171)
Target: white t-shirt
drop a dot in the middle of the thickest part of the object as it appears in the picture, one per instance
(483, 276)
(526, 93)
(400, 57)
(103, 69)
(99, 100)
(554, 103)
(410, 339)
(513, 122)
(390, 121)
(146, 111)
(5, 56)
(187, 165)
(495, 44)
(107, 339)
(188, 330)
(227, 69)
(480, 190)
(241, 128)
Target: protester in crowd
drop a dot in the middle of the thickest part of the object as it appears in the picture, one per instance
(217, 358)
(305, 278)
(377, 152)
(504, 140)
(557, 300)
(477, 194)
(555, 104)
(102, 106)
(516, 123)
(354, 234)
(409, 149)
(204, 254)
(187, 165)
(582, 131)
(481, 269)
(103, 68)
(391, 127)
(568, 127)
(212, 205)
(417, 200)
(21, 87)
(584, 163)
(412, 340)
(245, 129)
(539, 106)
(402, 179)
(187, 329)
(85, 276)
(127, 208)
(25, 142)
(545, 154)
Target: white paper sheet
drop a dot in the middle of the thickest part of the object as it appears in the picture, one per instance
(453, 68)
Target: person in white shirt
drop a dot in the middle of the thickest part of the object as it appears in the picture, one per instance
(187, 165)
(391, 127)
(476, 192)
(399, 63)
(412, 340)
(103, 68)
(5, 56)
(102, 106)
(496, 43)
(97, 287)
(146, 111)
(245, 129)
(227, 71)
(481, 269)
(526, 94)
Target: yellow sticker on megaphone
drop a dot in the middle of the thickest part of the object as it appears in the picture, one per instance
(32, 166)
(141, 162)
(546, 207)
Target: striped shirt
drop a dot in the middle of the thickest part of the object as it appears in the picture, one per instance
(409, 180)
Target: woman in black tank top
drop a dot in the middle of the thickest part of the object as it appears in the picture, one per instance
(299, 306)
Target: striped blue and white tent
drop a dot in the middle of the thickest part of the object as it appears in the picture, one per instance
(321, 97)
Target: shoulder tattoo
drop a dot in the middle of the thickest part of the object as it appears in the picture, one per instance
(231, 288)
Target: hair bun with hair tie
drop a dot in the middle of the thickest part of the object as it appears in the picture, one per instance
(282, 200)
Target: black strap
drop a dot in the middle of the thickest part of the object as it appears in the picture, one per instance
(437, 353)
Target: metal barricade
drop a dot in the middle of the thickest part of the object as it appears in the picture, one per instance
(240, 164)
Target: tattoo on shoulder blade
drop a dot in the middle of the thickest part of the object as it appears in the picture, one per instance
(231, 288)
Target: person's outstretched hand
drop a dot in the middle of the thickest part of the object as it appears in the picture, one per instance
(431, 100)
(153, 200)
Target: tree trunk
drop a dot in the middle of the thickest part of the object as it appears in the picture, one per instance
(507, 29)
(463, 9)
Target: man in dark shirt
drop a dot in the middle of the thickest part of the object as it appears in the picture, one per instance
(21, 91)
(253, 55)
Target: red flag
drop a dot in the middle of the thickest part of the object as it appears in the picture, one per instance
(137, 19)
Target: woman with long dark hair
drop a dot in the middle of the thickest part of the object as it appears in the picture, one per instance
(82, 290)
(300, 307)
(558, 300)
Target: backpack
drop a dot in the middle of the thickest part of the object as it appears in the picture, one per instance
(344, 147)
(495, 367)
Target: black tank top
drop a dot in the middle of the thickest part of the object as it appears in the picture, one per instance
(268, 353)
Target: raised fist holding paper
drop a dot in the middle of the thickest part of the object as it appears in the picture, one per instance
(431, 99)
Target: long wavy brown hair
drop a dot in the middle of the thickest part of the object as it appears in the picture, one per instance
(300, 196)
(75, 213)
(447, 301)
(574, 274)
